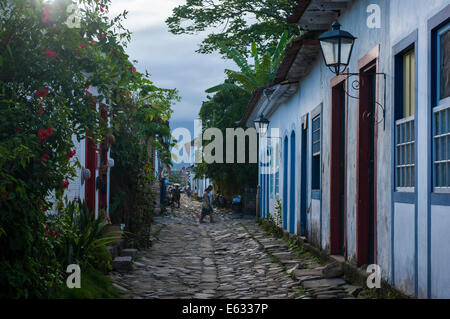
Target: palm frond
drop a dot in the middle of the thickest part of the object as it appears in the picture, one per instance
(223, 86)
(281, 46)
(265, 74)
(249, 84)
(238, 58)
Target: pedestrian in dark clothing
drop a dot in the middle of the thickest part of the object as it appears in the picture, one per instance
(177, 195)
(207, 206)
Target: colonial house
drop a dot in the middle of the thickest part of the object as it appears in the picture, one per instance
(361, 160)
(92, 181)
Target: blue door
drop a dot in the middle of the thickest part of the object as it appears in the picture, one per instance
(303, 182)
(261, 194)
(285, 181)
(292, 187)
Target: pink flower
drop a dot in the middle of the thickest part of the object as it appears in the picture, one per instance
(45, 20)
(82, 45)
(47, 11)
(77, 51)
(133, 70)
(50, 53)
(127, 95)
(103, 35)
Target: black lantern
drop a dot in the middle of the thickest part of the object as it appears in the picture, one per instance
(261, 124)
(336, 46)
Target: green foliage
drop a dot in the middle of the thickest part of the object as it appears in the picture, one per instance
(272, 224)
(222, 111)
(235, 23)
(143, 127)
(45, 70)
(80, 239)
(94, 285)
(262, 73)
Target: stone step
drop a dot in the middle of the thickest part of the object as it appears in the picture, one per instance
(124, 263)
(129, 252)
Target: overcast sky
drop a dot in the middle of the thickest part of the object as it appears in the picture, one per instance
(170, 59)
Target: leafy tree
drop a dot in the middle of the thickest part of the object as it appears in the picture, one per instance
(132, 178)
(222, 111)
(261, 73)
(47, 66)
(240, 22)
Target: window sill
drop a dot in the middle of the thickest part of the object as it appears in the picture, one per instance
(316, 194)
(405, 197)
(440, 199)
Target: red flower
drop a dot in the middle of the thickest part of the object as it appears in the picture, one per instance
(47, 11)
(5, 194)
(50, 53)
(44, 210)
(87, 87)
(41, 93)
(82, 45)
(102, 10)
(93, 41)
(77, 51)
(71, 154)
(41, 111)
(103, 35)
(133, 70)
(44, 134)
(56, 233)
(127, 95)
(45, 20)
(44, 158)
(65, 183)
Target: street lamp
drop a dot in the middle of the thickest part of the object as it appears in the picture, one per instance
(261, 124)
(336, 46)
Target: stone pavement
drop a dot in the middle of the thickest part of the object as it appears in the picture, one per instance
(231, 258)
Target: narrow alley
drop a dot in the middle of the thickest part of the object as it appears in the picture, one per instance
(231, 258)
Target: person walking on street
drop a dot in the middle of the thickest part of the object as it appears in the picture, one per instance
(177, 195)
(206, 206)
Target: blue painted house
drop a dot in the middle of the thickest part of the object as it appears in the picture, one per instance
(361, 163)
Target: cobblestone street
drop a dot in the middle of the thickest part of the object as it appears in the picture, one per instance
(231, 258)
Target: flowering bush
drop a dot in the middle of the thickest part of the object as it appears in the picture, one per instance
(47, 65)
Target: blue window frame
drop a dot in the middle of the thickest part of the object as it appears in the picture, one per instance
(441, 108)
(316, 147)
(405, 130)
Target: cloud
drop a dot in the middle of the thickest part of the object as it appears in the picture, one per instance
(170, 59)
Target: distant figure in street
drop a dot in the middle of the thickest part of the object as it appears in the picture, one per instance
(206, 206)
(210, 194)
(177, 195)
